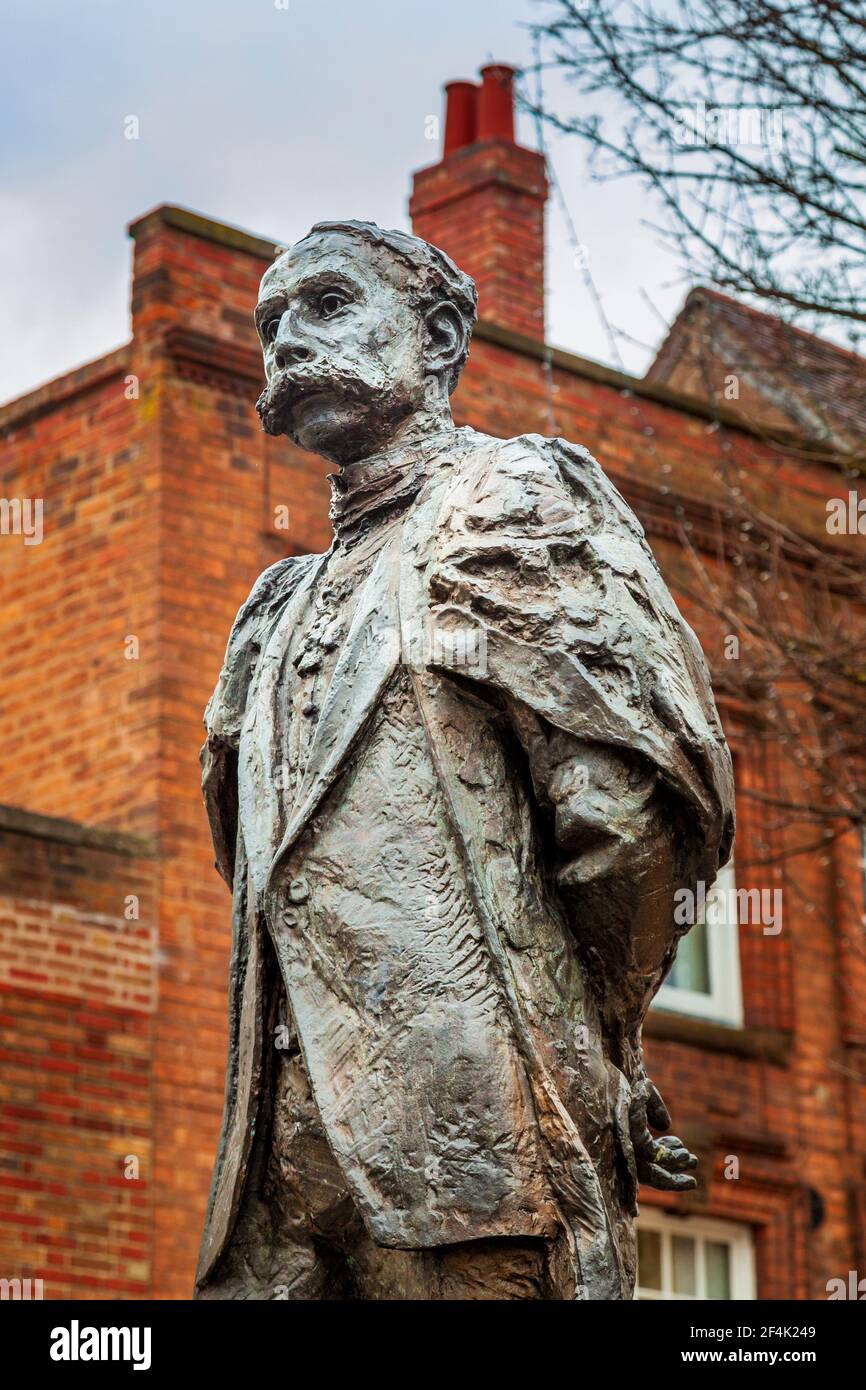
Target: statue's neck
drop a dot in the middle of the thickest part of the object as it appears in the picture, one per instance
(368, 495)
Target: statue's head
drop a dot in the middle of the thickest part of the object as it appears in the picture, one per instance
(362, 330)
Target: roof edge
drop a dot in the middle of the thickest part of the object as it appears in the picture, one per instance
(62, 388)
(702, 292)
(654, 391)
(207, 228)
(14, 820)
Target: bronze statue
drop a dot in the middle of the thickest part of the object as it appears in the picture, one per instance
(456, 769)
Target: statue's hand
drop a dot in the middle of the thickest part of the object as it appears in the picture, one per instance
(661, 1163)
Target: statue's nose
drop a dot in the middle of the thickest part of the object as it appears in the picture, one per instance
(288, 348)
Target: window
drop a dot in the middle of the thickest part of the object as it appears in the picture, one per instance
(705, 977)
(690, 1258)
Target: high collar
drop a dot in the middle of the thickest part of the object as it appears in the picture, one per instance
(367, 495)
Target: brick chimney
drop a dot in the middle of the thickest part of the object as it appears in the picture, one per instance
(483, 202)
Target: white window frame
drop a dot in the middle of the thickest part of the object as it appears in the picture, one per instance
(724, 1003)
(738, 1238)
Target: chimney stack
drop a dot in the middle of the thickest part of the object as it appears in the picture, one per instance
(484, 201)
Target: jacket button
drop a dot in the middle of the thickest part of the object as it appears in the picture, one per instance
(299, 890)
(289, 919)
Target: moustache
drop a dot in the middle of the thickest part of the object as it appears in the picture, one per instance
(288, 387)
(280, 394)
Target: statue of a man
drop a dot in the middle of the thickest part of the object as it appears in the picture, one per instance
(456, 769)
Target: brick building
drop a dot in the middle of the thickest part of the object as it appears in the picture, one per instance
(161, 502)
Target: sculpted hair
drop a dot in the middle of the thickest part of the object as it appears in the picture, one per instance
(435, 277)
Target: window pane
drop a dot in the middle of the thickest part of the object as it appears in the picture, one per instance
(691, 969)
(649, 1259)
(685, 1276)
(718, 1267)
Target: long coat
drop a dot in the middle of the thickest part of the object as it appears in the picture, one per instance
(523, 554)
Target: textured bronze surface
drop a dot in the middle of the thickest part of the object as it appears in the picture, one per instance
(456, 769)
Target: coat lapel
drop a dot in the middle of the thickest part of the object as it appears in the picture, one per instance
(262, 747)
(365, 665)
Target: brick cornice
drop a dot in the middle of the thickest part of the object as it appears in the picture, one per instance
(232, 366)
(764, 1044)
(16, 821)
(26, 408)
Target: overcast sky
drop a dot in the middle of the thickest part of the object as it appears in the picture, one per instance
(271, 118)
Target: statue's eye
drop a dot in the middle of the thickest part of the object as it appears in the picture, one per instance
(271, 328)
(331, 303)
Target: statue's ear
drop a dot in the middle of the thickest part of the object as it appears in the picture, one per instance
(447, 340)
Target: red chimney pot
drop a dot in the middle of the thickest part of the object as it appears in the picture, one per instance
(461, 115)
(496, 103)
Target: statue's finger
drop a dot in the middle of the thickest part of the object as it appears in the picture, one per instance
(669, 1182)
(674, 1157)
(657, 1111)
(677, 1161)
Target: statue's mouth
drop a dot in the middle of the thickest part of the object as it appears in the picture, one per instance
(283, 395)
(308, 396)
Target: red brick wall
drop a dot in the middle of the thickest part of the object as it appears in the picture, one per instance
(84, 716)
(77, 1003)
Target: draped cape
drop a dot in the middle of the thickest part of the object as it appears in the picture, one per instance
(518, 574)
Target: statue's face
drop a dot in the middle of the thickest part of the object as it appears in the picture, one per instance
(343, 344)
